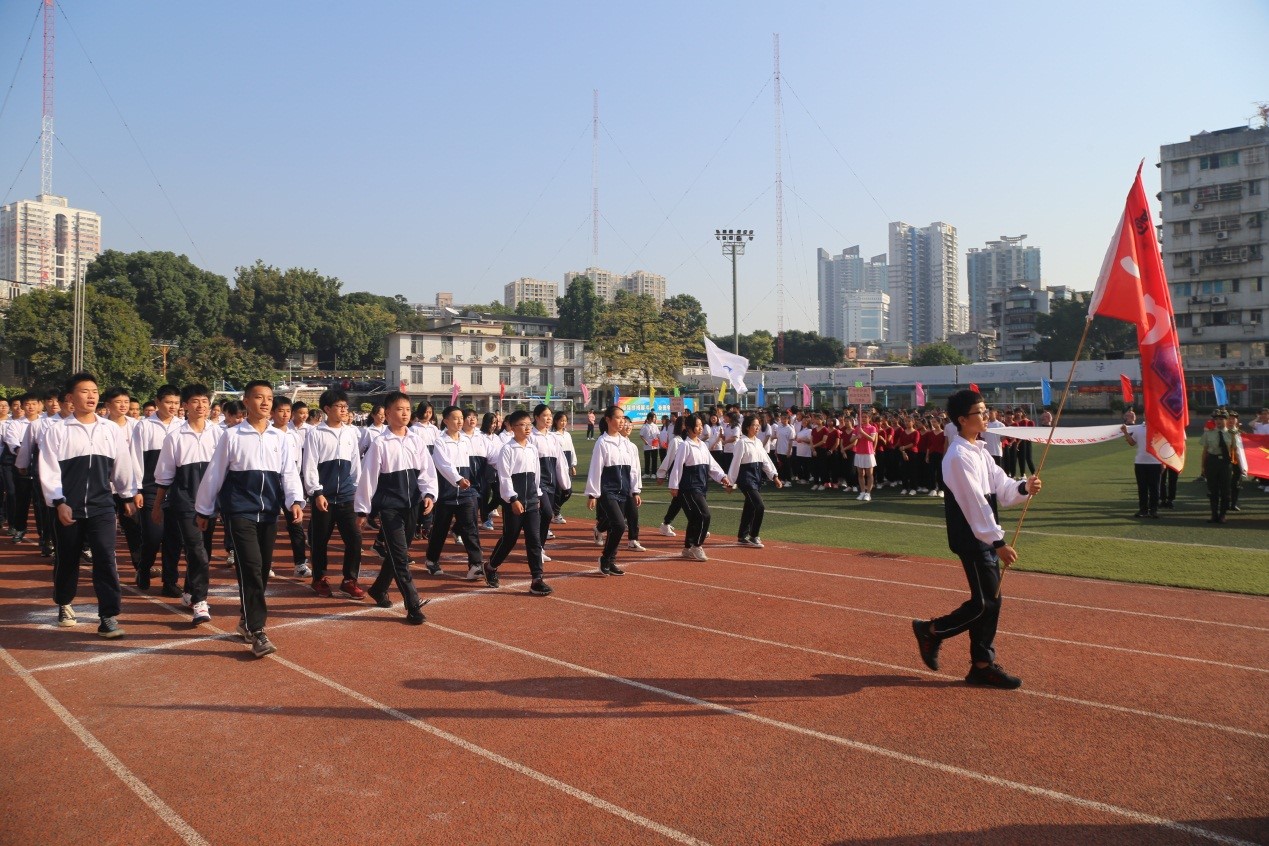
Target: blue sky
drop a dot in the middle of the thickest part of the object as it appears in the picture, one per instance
(418, 147)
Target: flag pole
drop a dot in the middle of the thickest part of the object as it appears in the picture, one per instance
(1066, 389)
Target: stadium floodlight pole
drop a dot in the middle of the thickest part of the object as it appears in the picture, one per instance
(733, 241)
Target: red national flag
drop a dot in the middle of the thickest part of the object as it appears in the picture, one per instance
(1125, 385)
(585, 394)
(1132, 287)
(1256, 448)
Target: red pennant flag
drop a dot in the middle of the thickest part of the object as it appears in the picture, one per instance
(973, 386)
(502, 391)
(1132, 287)
(1125, 385)
(453, 394)
(585, 394)
(403, 386)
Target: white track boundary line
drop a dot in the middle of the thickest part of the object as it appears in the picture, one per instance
(515, 766)
(868, 748)
(942, 527)
(152, 800)
(1012, 598)
(810, 650)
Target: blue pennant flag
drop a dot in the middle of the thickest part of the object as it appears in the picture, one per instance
(616, 395)
(762, 393)
(1046, 392)
(1218, 388)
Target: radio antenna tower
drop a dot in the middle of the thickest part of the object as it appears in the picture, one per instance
(594, 183)
(46, 122)
(779, 209)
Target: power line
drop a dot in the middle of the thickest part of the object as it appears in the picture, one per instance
(12, 82)
(29, 153)
(106, 196)
(171, 206)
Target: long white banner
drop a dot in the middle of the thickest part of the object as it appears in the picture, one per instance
(1062, 435)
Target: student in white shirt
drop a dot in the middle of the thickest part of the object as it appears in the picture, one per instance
(689, 479)
(748, 465)
(613, 478)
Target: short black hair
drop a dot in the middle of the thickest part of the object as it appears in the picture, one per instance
(332, 396)
(257, 383)
(232, 407)
(959, 404)
(166, 391)
(113, 394)
(298, 404)
(515, 417)
(77, 379)
(195, 389)
(393, 398)
(281, 402)
(541, 407)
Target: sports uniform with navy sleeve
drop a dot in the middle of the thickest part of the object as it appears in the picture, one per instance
(177, 474)
(331, 470)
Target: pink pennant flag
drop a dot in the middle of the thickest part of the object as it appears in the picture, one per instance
(585, 394)
(920, 395)
(403, 386)
(453, 394)
(806, 395)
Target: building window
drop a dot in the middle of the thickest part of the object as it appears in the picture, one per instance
(416, 345)
(570, 377)
(542, 353)
(570, 350)
(478, 375)
(504, 375)
(524, 349)
(504, 349)
(524, 375)
(1253, 187)
(1180, 198)
(475, 347)
(1180, 168)
(1182, 228)
(447, 345)
(544, 376)
(416, 375)
(1218, 160)
(447, 375)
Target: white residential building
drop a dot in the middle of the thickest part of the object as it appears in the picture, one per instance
(924, 275)
(46, 243)
(994, 269)
(526, 289)
(843, 311)
(607, 283)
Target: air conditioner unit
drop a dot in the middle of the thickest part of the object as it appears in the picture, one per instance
(1222, 235)
(1196, 330)
(1197, 207)
(1194, 271)
(1219, 300)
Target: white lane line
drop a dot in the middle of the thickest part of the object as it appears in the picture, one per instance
(515, 766)
(893, 615)
(1012, 598)
(1031, 574)
(1122, 709)
(869, 748)
(164, 811)
(942, 527)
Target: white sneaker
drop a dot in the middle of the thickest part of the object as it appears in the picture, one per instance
(558, 518)
(487, 525)
(635, 546)
(867, 497)
(231, 560)
(202, 614)
(698, 552)
(756, 543)
(861, 497)
(272, 575)
(545, 558)
(66, 616)
(599, 537)
(302, 570)
(903, 492)
(934, 493)
(912, 493)
(187, 600)
(474, 572)
(940, 494)
(687, 552)
(550, 535)
(817, 487)
(667, 530)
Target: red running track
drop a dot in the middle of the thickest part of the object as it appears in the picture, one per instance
(763, 697)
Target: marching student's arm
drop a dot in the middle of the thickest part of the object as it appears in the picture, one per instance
(213, 479)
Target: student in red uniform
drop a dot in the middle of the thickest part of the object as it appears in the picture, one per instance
(908, 448)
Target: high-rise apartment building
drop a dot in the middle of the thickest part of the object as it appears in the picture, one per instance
(1215, 214)
(923, 273)
(46, 243)
(852, 296)
(995, 269)
(525, 289)
(607, 283)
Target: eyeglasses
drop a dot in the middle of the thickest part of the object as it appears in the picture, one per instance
(982, 413)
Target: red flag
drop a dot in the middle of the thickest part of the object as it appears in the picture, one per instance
(806, 395)
(1125, 385)
(1256, 448)
(1132, 287)
(502, 391)
(920, 395)
(585, 394)
(453, 394)
(403, 386)
(973, 386)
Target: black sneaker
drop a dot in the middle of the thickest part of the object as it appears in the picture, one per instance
(380, 597)
(415, 617)
(611, 569)
(540, 588)
(993, 675)
(1167, 504)
(927, 643)
(171, 591)
(434, 568)
(143, 579)
(109, 628)
(491, 576)
(262, 646)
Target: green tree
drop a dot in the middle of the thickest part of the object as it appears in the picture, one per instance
(37, 328)
(354, 334)
(531, 308)
(686, 323)
(758, 347)
(405, 318)
(1061, 328)
(179, 300)
(580, 309)
(276, 313)
(632, 336)
(931, 355)
(214, 358)
(809, 349)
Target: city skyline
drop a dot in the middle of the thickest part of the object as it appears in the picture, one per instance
(292, 155)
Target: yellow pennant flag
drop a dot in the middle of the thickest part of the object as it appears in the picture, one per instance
(722, 392)
(652, 398)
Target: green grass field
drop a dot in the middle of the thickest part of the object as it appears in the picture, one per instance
(1080, 525)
